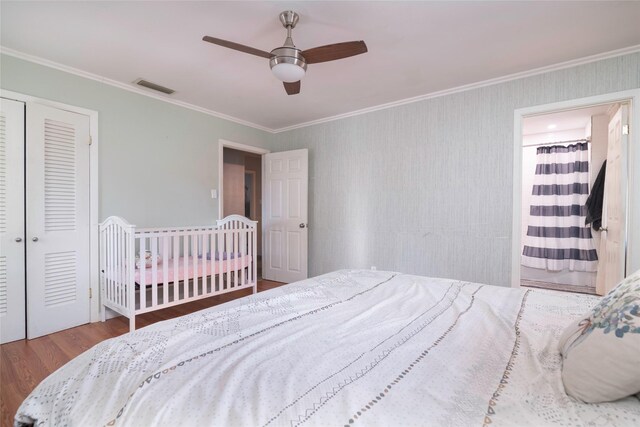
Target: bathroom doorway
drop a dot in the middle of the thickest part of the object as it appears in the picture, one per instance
(573, 208)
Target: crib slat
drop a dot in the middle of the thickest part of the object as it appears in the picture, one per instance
(105, 267)
(118, 260)
(143, 273)
(219, 248)
(165, 269)
(176, 277)
(196, 258)
(111, 257)
(236, 273)
(205, 262)
(119, 266)
(125, 268)
(107, 263)
(185, 266)
(114, 259)
(254, 256)
(154, 271)
(227, 249)
(249, 252)
(122, 297)
(243, 250)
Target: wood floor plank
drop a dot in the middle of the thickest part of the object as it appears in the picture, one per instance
(49, 353)
(24, 363)
(28, 369)
(10, 397)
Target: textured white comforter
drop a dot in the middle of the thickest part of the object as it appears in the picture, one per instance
(357, 348)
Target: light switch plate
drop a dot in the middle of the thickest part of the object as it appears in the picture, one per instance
(214, 193)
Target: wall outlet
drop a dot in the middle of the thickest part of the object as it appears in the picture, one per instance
(214, 194)
(373, 268)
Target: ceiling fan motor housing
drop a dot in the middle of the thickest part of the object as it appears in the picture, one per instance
(287, 55)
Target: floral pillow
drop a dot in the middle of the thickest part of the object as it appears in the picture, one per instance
(148, 259)
(601, 351)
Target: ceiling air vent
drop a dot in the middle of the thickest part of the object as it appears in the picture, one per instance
(153, 86)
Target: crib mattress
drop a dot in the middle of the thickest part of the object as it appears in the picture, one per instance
(204, 267)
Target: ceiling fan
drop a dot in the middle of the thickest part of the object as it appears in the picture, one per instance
(288, 63)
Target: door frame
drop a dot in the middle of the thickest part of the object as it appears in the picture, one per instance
(94, 197)
(632, 220)
(222, 144)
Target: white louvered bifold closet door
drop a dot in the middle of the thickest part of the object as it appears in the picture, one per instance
(12, 304)
(57, 219)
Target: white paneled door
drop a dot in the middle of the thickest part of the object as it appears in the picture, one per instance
(12, 282)
(611, 267)
(57, 219)
(285, 215)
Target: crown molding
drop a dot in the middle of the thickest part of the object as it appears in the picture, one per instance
(128, 87)
(480, 84)
(431, 95)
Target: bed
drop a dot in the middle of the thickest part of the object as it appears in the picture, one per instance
(349, 348)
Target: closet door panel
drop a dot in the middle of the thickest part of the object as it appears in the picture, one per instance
(12, 284)
(57, 220)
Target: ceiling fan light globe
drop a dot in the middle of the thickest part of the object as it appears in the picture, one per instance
(288, 73)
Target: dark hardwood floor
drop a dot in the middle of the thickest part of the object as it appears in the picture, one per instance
(24, 363)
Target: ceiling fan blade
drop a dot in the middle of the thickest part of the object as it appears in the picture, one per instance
(292, 88)
(237, 46)
(331, 52)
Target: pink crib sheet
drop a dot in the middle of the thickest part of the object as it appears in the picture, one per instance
(204, 267)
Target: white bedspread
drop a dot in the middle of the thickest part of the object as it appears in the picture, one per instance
(356, 348)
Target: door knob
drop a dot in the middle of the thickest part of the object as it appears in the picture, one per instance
(18, 239)
(35, 239)
(301, 225)
(603, 229)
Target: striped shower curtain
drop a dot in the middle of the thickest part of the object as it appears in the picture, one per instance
(557, 238)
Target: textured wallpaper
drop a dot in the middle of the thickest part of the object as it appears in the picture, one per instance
(426, 188)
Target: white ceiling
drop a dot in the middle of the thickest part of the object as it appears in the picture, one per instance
(415, 48)
(564, 120)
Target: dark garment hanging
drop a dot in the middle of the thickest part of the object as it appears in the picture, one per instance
(594, 202)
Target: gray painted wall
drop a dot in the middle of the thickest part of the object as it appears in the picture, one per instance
(158, 161)
(426, 188)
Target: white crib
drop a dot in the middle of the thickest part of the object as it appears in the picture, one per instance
(184, 264)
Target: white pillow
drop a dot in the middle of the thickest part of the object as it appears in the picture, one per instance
(601, 350)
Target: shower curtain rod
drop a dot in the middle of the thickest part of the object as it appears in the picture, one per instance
(558, 142)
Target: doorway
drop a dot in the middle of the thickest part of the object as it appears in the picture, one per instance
(248, 175)
(241, 189)
(574, 204)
